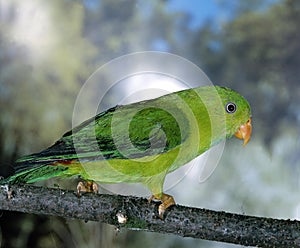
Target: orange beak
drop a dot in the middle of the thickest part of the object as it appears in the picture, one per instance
(244, 132)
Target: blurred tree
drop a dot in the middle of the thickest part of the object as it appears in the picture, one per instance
(117, 28)
(238, 8)
(43, 58)
(258, 53)
(120, 27)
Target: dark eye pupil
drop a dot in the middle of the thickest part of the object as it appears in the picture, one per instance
(230, 107)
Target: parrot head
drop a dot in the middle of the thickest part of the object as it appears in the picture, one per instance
(237, 114)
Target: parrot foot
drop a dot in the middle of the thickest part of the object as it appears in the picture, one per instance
(166, 201)
(87, 186)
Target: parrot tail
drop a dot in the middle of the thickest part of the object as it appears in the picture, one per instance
(42, 172)
(33, 168)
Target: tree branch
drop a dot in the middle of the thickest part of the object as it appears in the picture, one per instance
(138, 214)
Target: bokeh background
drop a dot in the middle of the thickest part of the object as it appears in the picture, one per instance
(48, 49)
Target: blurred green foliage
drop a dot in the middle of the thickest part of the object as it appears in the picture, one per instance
(48, 50)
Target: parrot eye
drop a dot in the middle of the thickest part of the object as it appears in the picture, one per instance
(230, 108)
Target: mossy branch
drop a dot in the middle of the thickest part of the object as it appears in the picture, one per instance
(138, 214)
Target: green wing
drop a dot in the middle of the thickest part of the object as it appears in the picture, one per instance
(122, 132)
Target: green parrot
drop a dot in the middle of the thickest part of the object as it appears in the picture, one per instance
(141, 142)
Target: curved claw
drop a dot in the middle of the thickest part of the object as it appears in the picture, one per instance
(166, 201)
(87, 186)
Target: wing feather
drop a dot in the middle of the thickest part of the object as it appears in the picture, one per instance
(120, 132)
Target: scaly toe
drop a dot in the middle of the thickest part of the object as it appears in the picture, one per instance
(80, 188)
(87, 186)
(95, 188)
(166, 202)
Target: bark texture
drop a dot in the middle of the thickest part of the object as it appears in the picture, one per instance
(136, 213)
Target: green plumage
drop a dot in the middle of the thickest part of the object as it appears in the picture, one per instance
(140, 142)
